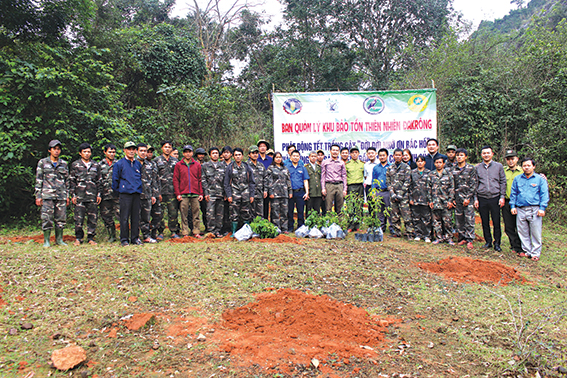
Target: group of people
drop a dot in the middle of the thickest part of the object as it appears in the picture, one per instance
(228, 190)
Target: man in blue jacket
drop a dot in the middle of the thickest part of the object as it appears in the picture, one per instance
(528, 200)
(127, 180)
(432, 154)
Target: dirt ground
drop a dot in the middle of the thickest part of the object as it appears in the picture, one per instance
(281, 308)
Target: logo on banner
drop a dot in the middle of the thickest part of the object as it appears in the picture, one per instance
(292, 106)
(417, 103)
(373, 105)
(332, 105)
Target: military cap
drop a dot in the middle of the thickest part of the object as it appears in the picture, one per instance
(452, 147)
(510, 153)
(200, 150)
(354, 148)
(54, 143)
(226, 148)
(270, 151)
(151, 148)
(187, 147)
(252, 149)
(130, 144)
(263, 141)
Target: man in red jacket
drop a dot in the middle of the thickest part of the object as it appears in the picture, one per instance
(188, 190)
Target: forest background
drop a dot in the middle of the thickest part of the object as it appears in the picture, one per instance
(107, 71)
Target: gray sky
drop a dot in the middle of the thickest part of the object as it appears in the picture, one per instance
(474, 11)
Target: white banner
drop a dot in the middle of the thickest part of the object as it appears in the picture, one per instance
(381, 119)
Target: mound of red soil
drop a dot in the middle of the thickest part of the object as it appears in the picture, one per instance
(185, 239)
(278, 239)
(224, 239)
(465, 269)
(289, 326)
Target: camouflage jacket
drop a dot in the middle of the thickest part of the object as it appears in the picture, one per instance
(212, 178)
(259, 177)
(278, 182)
(441, 189)
(149, 180)
(314, 180)
(106, 178)
(52, 183)
(450, 166)
(398, 180)
(85, 183)
(165, 174)
(466, 181)
(157, 183)
(418, 188)
(239, 181)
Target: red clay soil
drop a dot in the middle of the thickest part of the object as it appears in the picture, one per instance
(465, 269)
(137, 321)
(278, 239)
(185, 239)
(39, 239)
(291, 327)
(2, 302)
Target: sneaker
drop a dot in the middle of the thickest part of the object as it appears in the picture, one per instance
(462, 242)
(137, 242)
(159, 237)
(175, 236)
(124, 244)
(150, 240)
(417, 238)
(437, 241)
(427, 240)
(470, 245)
(451, 242)
(92, 242)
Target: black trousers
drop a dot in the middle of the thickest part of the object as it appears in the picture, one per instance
(313, 203)
(510, 227)
(489, 209)
(267, 207)
(129, 217)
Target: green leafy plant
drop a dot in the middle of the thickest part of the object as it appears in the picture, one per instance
(264, 228)
(352, 209)
(375, 202)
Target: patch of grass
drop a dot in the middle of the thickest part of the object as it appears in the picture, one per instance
(75, 295)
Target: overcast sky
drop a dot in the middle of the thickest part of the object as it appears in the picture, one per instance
(474, 11)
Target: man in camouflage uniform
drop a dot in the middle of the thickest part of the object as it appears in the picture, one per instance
(200, 154)
(466, 181)
(226, 157)
(441, 197)
(109, 206)
(213, 189)
(156, 213)
(165, 165)
(51, 192)
(150, 191)
(451, 161)
(239, 187)
(278, 183)
(418, 194)
(259, 177)
(85, 188)
(398, 180)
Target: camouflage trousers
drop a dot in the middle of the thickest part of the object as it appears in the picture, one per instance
(215, 214)
(53, 212)
(421, 221)
(257, 208)
(400, 210)
(109, 209)
(279, 212)
(240, 209)
(157, 216)
(145, 215)
(464, 221)
(172, 205)
(442, 224)
(88, 209)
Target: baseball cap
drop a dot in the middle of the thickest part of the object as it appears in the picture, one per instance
(151, 148)
(130, 144)
(200, 150)
(187, 147)
(354, 148)
(270, 151)
(252, 149)
(452, 147)
(54, 143)
(510, 153)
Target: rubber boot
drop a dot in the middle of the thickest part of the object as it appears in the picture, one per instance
(59, 236)
(234, 226)
(46, 236)
(111, 234)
